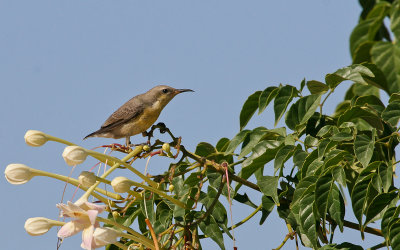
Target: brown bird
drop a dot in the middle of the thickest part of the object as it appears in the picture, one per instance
(137, 114)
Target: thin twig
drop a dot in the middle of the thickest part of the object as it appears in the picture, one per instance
(153, 234)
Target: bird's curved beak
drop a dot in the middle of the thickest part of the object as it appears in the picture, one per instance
(183, 90)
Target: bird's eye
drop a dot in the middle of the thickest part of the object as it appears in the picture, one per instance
(165, 91)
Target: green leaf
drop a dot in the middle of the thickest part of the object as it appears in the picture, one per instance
(282, 156)
(269, 187)
(236, 141)
(333, 158)
(219, 212)
(391, 214)
(386, 175)
(193, 179)
(359, 196)
(305, 186)
(249, 108)
(337, 207)
(377, 205)
(386, 56)
(339, 175)
(392, 113)
(266, 97)
(210, 228)
(308, 220)
(362, 53)
(394, 235)
(316, 87)
(204, 149)
(244, 198)
(366, 29)
(342, 136)
(222, 144)
(302, 110)
(364, 147)
(267, 206)
(164, 218)
(148, 208)
(282, 100)
(395, 19)
(370, 101)
(310, 159)
(310, 141)
(343, 246)
(254, 137)
(299, 157)
(323, 195)
(263, 153)
(324, 131)
(353, 72)
(328, 198)
(325, 146)
(379, 79)
(302, 84)
(362, 113)
(394, 97)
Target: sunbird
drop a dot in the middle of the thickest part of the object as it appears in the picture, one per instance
(137, 114)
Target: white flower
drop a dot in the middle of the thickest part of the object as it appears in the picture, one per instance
(39, 225)
(35, 138)
(18, 173)
(104, 236)
(84, 219)
(121, 184)
(74, 155)
(87, 179)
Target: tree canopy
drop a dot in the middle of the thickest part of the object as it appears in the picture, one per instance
(316, 157)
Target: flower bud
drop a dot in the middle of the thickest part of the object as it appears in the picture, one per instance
(87, 179)
(35, 138)
(166, 147)
(121, 184)
(115, 214)
(146, 148)
(105, 236)
(171, 188)
(38, 226)
(18, 174)
(74, 155)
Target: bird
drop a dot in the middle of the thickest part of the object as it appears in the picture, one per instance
(137, 114)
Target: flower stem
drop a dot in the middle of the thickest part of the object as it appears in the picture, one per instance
(75, 182)
(133, 153)
(114, 160)
(137, 236)
(159, 192)
(120, 245)
(56, 139)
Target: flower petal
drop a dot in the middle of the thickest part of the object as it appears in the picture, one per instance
(72, 228)
(92, 216)
(71, 210)
(87, 237)
(93, 206)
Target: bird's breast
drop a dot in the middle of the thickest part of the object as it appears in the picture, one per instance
(142, 122)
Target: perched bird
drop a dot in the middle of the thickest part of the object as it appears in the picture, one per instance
(137, 114)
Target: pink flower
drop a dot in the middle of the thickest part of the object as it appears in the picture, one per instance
(83, 219)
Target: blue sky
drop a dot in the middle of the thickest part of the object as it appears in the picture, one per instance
(65, 66)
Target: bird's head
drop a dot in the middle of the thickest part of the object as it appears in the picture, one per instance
(162, 94)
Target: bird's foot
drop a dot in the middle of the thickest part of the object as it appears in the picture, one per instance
(117, 147)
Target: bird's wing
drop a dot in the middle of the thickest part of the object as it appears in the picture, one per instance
(124, 114)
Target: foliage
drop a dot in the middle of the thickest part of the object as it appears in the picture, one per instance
(317, 158)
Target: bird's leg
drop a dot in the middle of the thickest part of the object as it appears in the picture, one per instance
(128, 141)
(148, 134)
